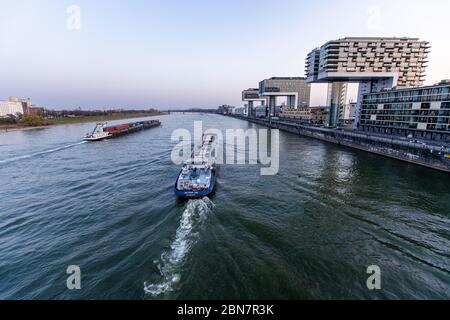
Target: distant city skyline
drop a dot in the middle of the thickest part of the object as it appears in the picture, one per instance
(188, 54)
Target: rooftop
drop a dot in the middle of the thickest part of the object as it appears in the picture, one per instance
(443, 83)
(287, 78)
(378, 39)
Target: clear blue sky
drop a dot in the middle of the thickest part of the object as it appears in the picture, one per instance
(189, 53)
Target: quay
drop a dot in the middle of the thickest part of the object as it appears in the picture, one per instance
(428, 155)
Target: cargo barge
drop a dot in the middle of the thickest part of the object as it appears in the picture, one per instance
(102, 131)
(198, 175)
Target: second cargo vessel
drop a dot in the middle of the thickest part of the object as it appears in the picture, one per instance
(102, 131)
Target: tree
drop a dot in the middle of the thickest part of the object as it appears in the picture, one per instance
(33, 120)
(9, 119)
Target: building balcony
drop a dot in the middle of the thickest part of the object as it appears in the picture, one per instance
(333, 45)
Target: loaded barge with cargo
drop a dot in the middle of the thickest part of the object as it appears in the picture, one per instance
(198, 174)
(102, 131)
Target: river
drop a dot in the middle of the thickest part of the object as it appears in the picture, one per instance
(309, 232)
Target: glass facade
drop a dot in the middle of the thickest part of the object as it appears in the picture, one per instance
(355, 58)
(287, 85)
(417, 112)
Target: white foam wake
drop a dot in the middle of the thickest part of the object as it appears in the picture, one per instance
(31, 155)
(171, 261)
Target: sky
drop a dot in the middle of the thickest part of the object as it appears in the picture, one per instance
(188, 53)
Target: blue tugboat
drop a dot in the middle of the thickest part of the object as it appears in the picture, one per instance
(198, 175)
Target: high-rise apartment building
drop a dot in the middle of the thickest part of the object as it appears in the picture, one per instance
(374, 63)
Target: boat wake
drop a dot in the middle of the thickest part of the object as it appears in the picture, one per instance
(27, 156)
(194, 215)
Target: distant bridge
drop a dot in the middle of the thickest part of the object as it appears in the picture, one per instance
(191, 111)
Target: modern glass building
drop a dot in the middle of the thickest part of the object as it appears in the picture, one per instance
(251, 96)
(311, 115)
(296, 89)
(422, 113)
(361, 59)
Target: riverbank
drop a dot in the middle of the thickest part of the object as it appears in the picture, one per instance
(431, 156)
(11, 128)
(76, 120)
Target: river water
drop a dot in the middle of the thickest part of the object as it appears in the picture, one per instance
(309, 232)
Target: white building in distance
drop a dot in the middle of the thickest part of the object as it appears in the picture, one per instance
(13, 106)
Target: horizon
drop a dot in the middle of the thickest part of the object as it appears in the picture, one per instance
(178, 55)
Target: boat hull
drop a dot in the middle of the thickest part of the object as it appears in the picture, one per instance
(96, 139)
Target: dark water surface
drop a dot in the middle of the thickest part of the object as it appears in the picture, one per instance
(309, 232)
